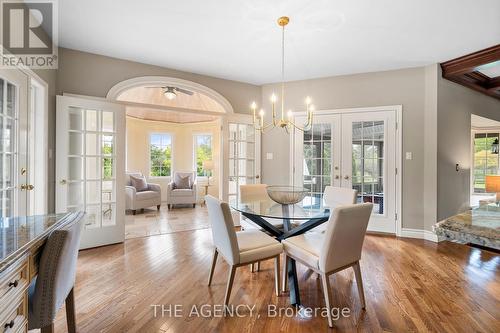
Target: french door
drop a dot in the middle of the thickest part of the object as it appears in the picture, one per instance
(355, 150)
(242, 153)
(90, 167)
(13, 143)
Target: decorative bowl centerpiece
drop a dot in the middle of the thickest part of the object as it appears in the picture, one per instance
(286, 195)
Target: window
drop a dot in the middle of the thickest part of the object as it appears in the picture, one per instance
(202, 151)
(160, 155)
(485, 160)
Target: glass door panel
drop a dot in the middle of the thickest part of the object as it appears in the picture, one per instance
(90, 166)
(368, 162)
(316, 157)
(242, 158)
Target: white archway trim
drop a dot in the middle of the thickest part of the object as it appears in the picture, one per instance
(141, 81)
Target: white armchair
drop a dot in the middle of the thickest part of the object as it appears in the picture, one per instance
(185, 196)
(139, 200)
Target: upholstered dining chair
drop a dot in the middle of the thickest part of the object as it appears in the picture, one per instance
(339, 196)
(239, 248)
(55, 281)
(334, 197)
(256, 192)
(336, 249)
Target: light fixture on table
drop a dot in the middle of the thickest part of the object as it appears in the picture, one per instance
(285, 121)
(208, 166)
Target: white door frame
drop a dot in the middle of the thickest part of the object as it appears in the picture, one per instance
(398, 110)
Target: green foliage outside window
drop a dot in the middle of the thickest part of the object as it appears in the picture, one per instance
(160, 152)
(203, 152)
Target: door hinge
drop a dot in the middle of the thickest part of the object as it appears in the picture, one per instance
(396, 171)
(396, 216)
(396, 125)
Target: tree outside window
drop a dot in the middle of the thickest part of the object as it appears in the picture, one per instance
(202, 151)
(160, 155)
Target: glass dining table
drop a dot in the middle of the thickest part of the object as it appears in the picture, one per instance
(297, 219)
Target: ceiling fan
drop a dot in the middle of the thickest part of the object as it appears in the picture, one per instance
(170, 92)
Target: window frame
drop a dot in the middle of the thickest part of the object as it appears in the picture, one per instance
(171, 154)
(195, 145)
(473, 168)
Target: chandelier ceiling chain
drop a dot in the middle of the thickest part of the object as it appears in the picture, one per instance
(286, 124)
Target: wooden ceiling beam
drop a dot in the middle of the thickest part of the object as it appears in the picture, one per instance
(493, 84)
(470, 62)
(463, 71)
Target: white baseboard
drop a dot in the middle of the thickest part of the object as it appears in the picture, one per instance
(419, 234)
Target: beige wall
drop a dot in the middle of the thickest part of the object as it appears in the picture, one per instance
(456, 103)
(90, 74)
(406, 87)
(138, 132)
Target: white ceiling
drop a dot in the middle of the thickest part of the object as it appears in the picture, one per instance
(478, 121)
(240, 40)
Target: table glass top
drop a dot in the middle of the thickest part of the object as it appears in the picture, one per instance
(266, 207)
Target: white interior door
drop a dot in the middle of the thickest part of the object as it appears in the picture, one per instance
(90, 166)
(369, 164)
(355, 150)
(13, 143)
(241, 155)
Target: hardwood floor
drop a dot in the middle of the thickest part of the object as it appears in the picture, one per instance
(153, 222)
(410, 285)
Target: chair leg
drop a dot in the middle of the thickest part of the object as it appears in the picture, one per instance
(359, 282)
(70, 311)
(285, 273)
(212, 268)
(326, 292)
(194, 205)
(47, 329)
(277, 275)
(251, 268)
(229, 286)
(158, 207)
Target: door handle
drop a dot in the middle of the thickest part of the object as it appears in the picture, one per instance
(257, 177)
(63, 182)
(337, 176)
(27, 187)
(346, 177)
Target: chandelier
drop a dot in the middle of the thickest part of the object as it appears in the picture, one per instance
(287, 122)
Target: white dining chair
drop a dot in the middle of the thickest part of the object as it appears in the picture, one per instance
(239, 248)
(252, 193)
(334, 197)
(336, 249)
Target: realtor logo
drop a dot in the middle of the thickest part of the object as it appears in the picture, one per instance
(28, 34)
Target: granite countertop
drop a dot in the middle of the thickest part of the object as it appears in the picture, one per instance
(18, 234)
(480, 225)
